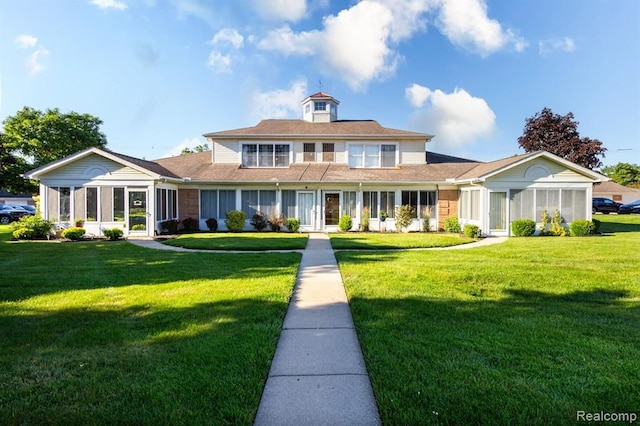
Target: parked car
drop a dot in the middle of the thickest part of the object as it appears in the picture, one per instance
(29, 208)
(630, 208)
(9, 214)
(604, 205)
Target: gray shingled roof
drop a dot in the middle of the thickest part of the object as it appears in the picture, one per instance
(343, 129)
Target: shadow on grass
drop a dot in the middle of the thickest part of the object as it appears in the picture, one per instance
(41, 268)
(615, 227)
(527, 357)
(201, 364)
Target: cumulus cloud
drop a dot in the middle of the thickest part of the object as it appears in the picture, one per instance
(185, 143)
(455, 118)
(109, 4)
(564, 44)
(194, 8)
(220, 60)
(280, 103)
(281, 10)
(360, 43)
(228, 36)
(26, 41)
(466, 24)
(34, 60)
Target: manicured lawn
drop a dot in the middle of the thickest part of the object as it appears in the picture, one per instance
(528, 331)
(245, 241)
(393, 240)
(110, 333)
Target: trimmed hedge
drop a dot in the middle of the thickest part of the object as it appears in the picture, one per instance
(523, 227)
(235, 220)
(581, 227)
(212, 224)
(452, 225)
(293, 224)
(472, 231)
(73, 234)
(113, 233)
(345, 224)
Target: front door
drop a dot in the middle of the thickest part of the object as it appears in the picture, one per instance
(306, 210)
(498, 211)
(331, 208)
(137, 214)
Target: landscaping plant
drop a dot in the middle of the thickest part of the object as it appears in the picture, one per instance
(113, 233)
(190, 224)
(259, 221)
(364, 219)
(581, 227)
(73, 233)
(212, 224)
(523, 227)
(293, 224)
(345, 224)
(33, 227)
(404, 216)
(472, 231)
(452, 225)
(235, 220)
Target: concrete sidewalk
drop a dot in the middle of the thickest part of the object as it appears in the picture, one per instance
(317, 375)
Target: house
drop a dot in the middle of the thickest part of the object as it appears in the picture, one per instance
(618, 193)
(316, 169)
(9, 198)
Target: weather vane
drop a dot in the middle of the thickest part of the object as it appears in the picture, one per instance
(320, 84)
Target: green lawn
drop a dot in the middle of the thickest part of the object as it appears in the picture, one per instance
(245, 241)
(395, 240)
(107, 332)
(528, 331)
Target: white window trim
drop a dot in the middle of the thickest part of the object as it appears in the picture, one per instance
(379, 145)
(273, 143)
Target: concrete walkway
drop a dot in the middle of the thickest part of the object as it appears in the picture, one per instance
(317, 375)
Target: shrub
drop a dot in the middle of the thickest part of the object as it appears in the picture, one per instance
(544, 221)
(293, 224)
(556, 225)
(139, 227)
(36, 227)
(235, 220)
(212, 224)
(190, 224)
(472, 231)
(364, 219)
(259, 221)
(404, 216)
(113, 233)
(169, 226)
(523, 227)
(345, 223)
(74, 233)
(452, 225)
(581, 227)
(276, 222)
(23, 234)
(426, 223)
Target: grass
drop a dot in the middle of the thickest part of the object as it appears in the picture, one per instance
(244, 241)
(107, 332)
(526, 332)
(393, 240)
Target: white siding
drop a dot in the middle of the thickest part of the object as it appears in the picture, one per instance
(94, 167)
(557, 173)
(412, 152)
(225, 152)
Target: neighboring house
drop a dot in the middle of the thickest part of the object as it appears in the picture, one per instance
(9, 198)
(315, 169)
(618, 193)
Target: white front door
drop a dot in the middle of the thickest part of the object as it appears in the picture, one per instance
(137, 215)
(306, 210)
(498, 212)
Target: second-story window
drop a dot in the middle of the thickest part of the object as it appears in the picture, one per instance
(320, 106)
(265, 155)
(309, 152)
(328, 152)
(371, 156)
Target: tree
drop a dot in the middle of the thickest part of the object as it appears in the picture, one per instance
(559, 135)
(623, 173)
(33, 138)
(200, 148)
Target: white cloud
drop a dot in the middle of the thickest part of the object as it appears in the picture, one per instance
(26, 41)
(280, 103)
(417, 95)
(109, 4)
(185, 143)
(228, 36)
(455, 118)
(564, 44)
(285, 41)
(34, 60)
(281, 10)
(219, 62)
(466, 24)
(195, 9)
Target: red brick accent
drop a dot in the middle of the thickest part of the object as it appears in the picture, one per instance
(188, 203)
(447, 205)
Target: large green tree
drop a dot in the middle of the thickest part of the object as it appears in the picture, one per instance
(623, 173)
(558, 134)
(32, 138)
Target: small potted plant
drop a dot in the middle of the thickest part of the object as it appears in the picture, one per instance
(78, 223)
(383, 215)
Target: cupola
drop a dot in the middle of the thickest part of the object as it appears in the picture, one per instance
(320, 108)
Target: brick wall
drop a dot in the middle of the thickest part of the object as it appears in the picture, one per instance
(188, 203)
(447, 205)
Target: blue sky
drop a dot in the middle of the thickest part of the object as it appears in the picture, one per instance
(160, 73)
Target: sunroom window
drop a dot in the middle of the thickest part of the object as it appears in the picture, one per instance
(372, 156)
(265, 155)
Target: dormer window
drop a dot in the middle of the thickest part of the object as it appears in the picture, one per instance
(320, 106)
(265, 155)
